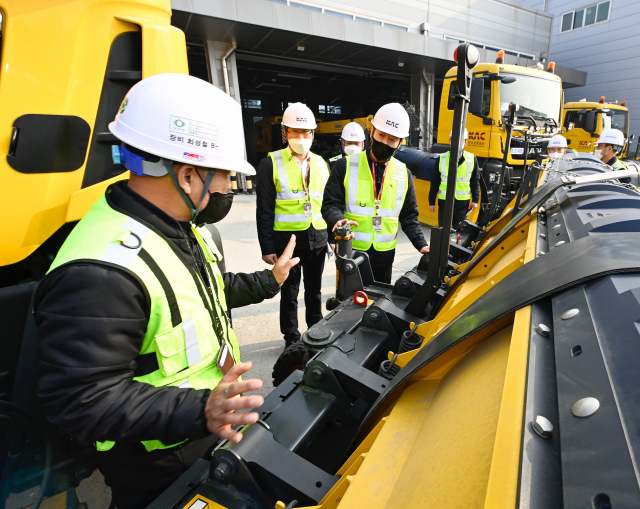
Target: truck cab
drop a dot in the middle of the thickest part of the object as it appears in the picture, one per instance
(585, 121)
(538, 95)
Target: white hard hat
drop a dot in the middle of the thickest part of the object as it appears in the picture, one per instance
(611, 137)
(466, 134)
(353, 132)
(392, 119)
(557, 141)
(299, 116)
(184, 119)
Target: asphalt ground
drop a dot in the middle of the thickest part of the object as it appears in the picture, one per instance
(257, 326)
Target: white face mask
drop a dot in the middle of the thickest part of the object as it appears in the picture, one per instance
(300, 145)
(555, 155)
(351, 150)
(597, 153)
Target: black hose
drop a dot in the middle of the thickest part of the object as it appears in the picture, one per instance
(48, 454)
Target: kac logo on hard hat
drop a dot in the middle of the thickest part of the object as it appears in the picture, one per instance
(392, 124)
(194, 157)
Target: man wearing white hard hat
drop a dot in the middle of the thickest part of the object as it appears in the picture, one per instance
(136, 350)
(374, 193)
(352, 141)
(609, 146)
(557, 147)
(467, 185)
(289, 199)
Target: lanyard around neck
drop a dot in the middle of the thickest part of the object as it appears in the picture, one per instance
(377, 195)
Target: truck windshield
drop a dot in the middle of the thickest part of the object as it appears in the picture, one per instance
(618, 120)
(536, 97)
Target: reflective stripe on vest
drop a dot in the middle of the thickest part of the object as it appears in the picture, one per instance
(290, 198)
(619, 165)
(360, 202)
(180, 332)
(463, 177)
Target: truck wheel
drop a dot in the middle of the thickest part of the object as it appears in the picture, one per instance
(289, 361)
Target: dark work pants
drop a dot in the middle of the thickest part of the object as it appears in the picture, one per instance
(460, 209)
(382, 274)
(310, 267)
(137, 477)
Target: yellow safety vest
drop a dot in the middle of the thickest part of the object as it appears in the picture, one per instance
(290, 195)
(184, 323)
(360, 202)
(463, 178)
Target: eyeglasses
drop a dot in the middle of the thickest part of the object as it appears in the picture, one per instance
(300, 133)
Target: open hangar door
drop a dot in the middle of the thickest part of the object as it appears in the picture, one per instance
(335, 95)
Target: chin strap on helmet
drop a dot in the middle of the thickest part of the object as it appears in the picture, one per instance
(185, 197)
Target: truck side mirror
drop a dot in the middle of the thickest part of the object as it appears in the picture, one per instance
(475, 103)
(632, 137)
(590, 121)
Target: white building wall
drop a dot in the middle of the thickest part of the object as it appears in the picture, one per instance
(608, 51)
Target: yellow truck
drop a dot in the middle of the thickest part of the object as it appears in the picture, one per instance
(538, 95)
(584, 122)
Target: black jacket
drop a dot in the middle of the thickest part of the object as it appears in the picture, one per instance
(333, 205)
(474, 182)
(91, 322)
(272, 241)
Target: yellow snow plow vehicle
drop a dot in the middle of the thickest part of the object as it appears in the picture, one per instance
(538, 96)
(497, 373)
(500, 372)
(584, 122)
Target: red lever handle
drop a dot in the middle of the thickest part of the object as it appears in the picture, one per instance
(360, 298)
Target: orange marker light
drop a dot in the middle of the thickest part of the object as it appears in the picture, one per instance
(623, 103)
(500, 57)
(455, 55)
(601, 99)
(551, 67)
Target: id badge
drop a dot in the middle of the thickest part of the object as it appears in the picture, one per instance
(307, 209)
(377, 224)
(225, 359)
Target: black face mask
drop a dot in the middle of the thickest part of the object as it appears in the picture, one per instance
(381, 151)
(216, 210)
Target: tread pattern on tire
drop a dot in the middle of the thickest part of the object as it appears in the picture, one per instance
(290, 358)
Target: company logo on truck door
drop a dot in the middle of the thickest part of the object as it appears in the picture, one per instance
(476, 139)
(585, 144)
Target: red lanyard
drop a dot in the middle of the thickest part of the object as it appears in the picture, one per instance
(375, 191)
(305, 181)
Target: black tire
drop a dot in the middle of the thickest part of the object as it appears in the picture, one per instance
(289, 361)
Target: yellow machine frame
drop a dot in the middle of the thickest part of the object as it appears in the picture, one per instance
(452, 436)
